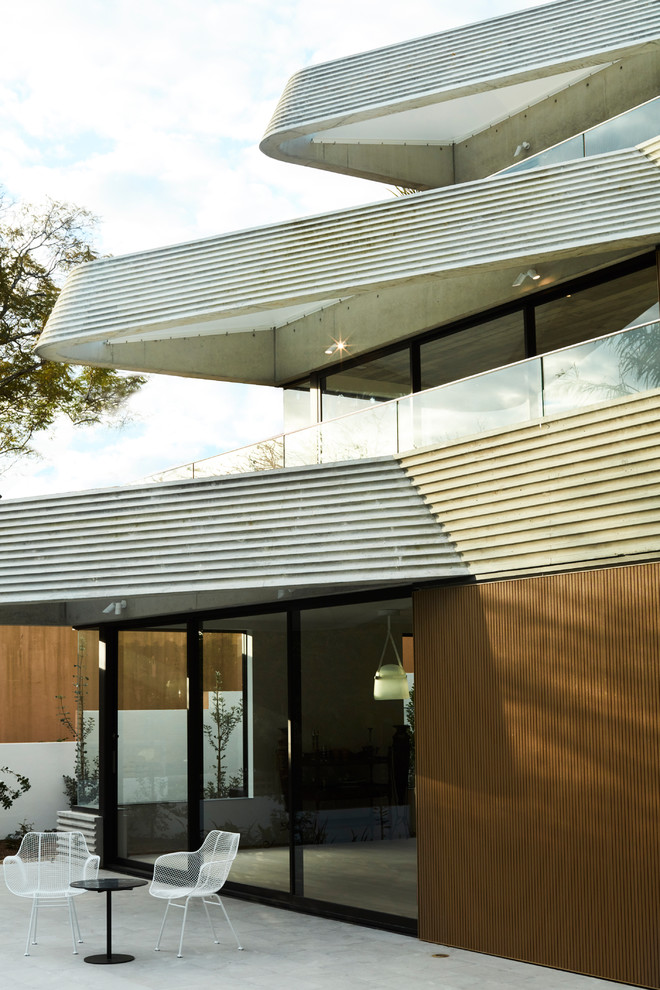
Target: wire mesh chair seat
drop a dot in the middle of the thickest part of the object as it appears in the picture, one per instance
(42, 869)
(182, 876)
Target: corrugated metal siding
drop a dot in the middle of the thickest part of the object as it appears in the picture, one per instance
(502, 48)
(305, 528)
(538, 762)
(566, 491)
(608, 201)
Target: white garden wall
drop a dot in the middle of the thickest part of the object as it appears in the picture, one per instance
(44, 764)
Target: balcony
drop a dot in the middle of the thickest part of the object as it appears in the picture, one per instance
(598, 370)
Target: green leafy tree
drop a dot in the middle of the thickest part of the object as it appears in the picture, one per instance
(38, 247)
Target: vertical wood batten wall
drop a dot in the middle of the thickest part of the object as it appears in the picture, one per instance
(538, 770)
(37, 666)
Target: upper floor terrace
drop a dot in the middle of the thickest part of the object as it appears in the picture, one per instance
(600, 370)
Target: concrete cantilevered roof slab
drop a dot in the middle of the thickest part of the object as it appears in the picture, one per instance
(417, 113)
(262, 305)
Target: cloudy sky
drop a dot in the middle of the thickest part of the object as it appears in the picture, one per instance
(149, 114)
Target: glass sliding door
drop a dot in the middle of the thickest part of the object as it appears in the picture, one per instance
(244, 786)
(356, 823)
(152, 780)
(276, 734)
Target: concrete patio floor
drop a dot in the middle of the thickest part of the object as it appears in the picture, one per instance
(282, 951)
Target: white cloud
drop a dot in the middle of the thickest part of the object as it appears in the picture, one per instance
(175, 421)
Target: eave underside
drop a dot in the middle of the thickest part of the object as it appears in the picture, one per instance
(270, 300)
(452, 107)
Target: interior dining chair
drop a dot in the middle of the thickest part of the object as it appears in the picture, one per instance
(43, 868)
(180, 877)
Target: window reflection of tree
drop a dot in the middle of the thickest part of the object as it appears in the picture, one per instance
(618, 366)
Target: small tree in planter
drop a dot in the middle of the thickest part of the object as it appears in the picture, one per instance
(225, 718)
(83, 787)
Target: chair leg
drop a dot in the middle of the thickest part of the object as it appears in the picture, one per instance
(208, 918)
(183, 926)
(73, 921)
(32, 927)
(160, 933)
(75, 918)
(229, 922)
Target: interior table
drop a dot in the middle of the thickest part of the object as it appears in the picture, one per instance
(109, 884)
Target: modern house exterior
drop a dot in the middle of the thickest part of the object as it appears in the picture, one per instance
(467, 488)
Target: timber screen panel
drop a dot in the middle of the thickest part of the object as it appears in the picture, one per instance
(538, 706)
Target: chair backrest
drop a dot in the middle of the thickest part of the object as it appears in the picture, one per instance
(216, 855)
(48, 862)
(219, 845)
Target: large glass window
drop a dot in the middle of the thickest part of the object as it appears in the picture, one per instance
(245, 744)
(469, 352)
(152, 780)
(601, 309)
(356, 823)
(348, 390)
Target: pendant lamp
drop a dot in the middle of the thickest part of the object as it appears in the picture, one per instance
(390, 681)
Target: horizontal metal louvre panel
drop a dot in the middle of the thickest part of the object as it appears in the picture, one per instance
(611, 200)
(339, 524)
(503, 47)
(582, 488)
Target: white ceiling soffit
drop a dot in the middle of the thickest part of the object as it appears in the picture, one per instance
(425, 90)
(211, 298)
(249, 322)
(448, 121)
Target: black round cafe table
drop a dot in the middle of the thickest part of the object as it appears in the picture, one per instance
(109, 884)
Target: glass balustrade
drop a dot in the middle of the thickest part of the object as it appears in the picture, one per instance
(367, 433)
(596, 371)
(602, 370)
(486, 402)
(623, 131)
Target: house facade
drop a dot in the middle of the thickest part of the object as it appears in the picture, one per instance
(466, 491)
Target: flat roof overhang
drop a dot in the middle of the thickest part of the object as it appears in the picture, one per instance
(262, 305)
(454, 106)
(237, 541)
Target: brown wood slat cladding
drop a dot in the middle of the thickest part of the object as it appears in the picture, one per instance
(37, 663)
(538, 770)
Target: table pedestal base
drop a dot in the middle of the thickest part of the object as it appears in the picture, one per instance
(107, 960)
(108, 884)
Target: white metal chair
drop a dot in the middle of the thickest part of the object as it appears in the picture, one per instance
(185, 875)
(43, 868)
